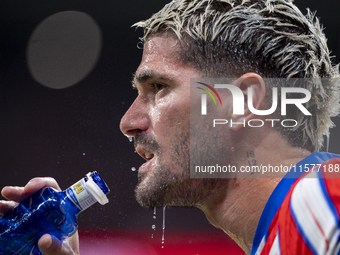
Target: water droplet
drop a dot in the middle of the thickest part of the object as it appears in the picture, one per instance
(84, 154)
(163, 227)
(133, 169)
(129, 137)
(232, 149)
(154, 217)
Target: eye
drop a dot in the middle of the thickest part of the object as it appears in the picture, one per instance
(158, 87)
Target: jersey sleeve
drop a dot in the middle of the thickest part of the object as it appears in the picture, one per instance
(308, 219)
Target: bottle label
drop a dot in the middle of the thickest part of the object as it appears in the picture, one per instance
(80, 195)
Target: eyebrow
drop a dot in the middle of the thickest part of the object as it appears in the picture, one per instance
(148, 75)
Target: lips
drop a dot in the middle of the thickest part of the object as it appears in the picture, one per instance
(144, 153)
(148, 156)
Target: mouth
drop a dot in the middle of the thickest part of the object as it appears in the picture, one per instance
(149, 156)
(144, 153)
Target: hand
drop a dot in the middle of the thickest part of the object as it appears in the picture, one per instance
(47, 244)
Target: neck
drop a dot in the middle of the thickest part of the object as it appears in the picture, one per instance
(238, 207)
(239, 217)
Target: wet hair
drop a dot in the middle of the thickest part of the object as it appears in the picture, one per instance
(227, 38)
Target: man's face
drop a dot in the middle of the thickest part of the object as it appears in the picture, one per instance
(159, 121)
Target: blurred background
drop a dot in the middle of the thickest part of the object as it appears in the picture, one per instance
(65, 72)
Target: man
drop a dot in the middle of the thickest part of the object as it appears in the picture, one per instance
(250, 40)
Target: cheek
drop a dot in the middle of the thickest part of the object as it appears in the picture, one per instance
(171, 117)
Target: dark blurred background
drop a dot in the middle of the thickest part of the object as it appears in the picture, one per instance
(65, 133)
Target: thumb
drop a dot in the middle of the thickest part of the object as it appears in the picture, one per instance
(50, 245)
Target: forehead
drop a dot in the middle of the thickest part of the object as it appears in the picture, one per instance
(163, 45)
(161, 61)
(160, 53)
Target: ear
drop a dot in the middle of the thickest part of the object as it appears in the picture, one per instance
(252, 85)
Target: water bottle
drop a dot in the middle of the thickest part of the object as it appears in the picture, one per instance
(49, 211)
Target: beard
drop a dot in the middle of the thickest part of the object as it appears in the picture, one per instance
(169, 183)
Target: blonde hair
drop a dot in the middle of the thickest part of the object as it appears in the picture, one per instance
(269, 37)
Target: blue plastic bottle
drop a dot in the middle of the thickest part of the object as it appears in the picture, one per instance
(49, 211)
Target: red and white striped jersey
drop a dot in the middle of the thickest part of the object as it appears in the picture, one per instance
(302, 215)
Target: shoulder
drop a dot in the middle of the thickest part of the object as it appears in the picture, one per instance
(308, 220)
(316, 192)
(314, 205)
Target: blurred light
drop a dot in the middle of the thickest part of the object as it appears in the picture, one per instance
(64, 49)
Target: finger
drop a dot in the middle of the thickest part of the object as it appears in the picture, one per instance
(74, 243)
(18, 194)
(12, 193)
(6, 206)
(50, 245)
(40, 182)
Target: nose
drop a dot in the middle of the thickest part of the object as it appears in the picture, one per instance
(136, 118)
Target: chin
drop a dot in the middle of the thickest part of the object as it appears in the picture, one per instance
(155, 188)
(149, 199)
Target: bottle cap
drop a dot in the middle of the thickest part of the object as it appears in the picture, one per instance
(97, 187)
